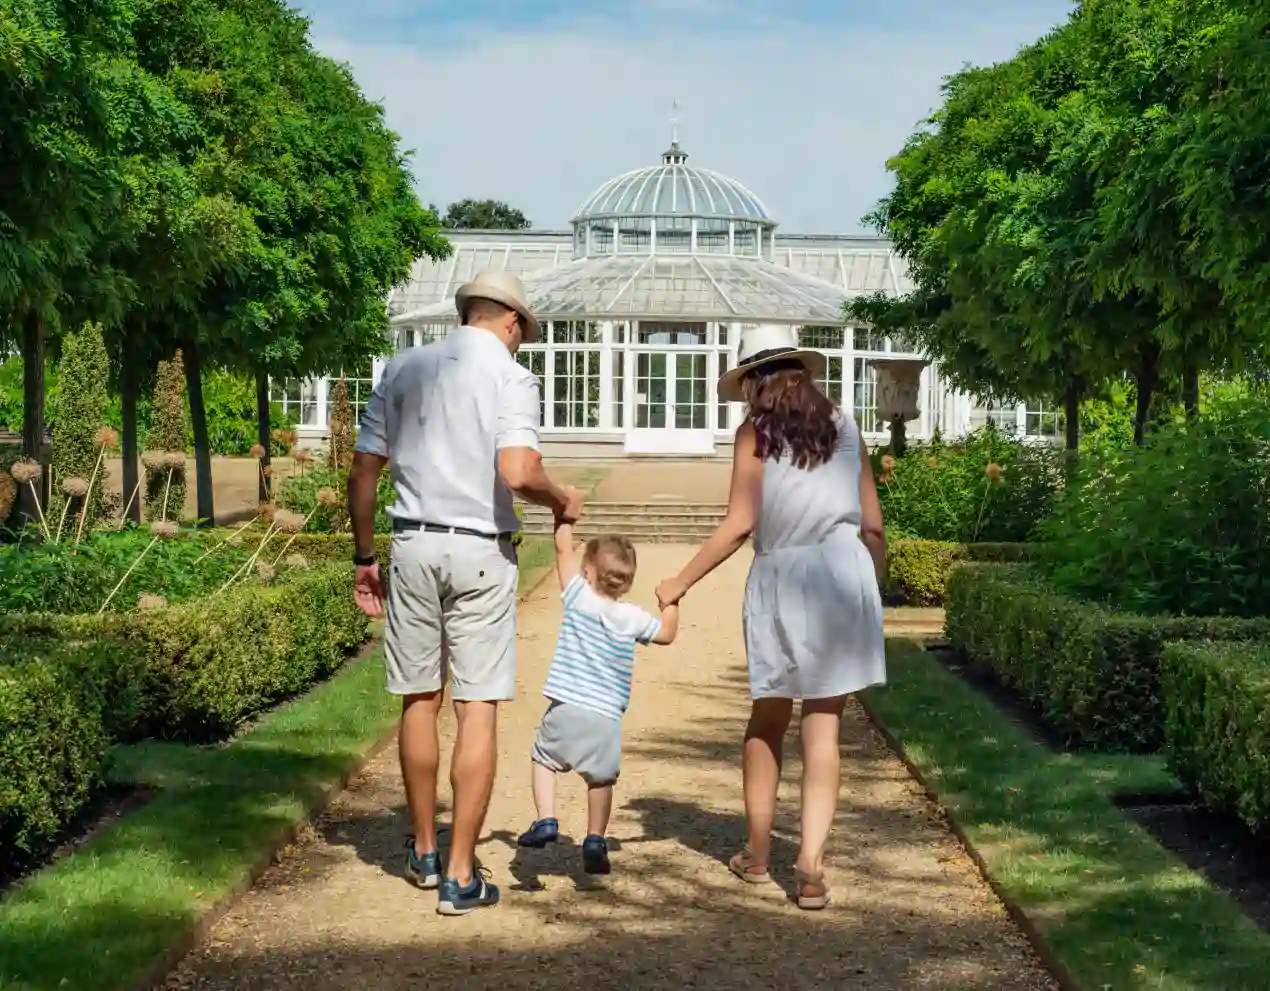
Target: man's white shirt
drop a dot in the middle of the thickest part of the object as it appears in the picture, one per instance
(440, 414)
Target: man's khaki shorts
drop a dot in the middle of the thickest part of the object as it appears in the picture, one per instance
(452, 611)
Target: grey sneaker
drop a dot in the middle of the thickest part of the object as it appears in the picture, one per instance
(423, 872)
(460, 900)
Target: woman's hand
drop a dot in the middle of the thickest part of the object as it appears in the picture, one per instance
(670, 591)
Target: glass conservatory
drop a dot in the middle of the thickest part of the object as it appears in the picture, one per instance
(642, 303)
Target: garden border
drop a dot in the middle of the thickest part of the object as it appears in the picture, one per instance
(1049, 959)
(157, 973)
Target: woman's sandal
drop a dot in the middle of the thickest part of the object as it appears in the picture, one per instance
(744, 866)
(813, 893)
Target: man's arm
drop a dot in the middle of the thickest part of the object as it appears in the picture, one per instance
(363, 488)
(519, 461)
(369, 459)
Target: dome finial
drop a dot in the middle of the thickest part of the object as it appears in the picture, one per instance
(676, 155)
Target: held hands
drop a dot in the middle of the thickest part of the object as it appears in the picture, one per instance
(368, 590)
(670, 591)
(574, 499)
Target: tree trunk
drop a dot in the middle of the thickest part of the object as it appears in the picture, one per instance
(1190, 389)
(262, 434)
(204, 502)
(33, 407)
(899, 438)
(1071, 411)
(128, 388)
(1148, 379)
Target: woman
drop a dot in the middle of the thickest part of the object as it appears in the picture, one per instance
(803, 486)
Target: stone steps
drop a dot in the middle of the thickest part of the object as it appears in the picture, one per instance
(678, 522)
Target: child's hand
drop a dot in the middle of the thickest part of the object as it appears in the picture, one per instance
(670, 591)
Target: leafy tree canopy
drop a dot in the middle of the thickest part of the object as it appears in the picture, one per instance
(484, 215)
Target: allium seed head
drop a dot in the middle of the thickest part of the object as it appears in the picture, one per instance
(174, 460)
(297, 561)
(301, 455)
(76, 488)
(8, 494)
(268, 470)
(995, 471)
(165, 529)
(153, 460)
(288, 522)
(888, 463)
(107, 438)
(267, 572)
(151, 603)
(327, 497)
(26, 472)
(267, 510)
(257, 451)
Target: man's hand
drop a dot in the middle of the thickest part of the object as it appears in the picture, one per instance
(574, 499)
(368, 590)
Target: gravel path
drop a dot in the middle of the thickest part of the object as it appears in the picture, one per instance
(910, 912)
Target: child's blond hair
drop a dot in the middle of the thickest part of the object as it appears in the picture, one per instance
(613, 559)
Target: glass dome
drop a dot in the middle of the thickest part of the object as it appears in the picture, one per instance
(672, 208)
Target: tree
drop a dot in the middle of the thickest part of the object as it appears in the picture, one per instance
(165, 461)
(483, 215)
(79, 476)
(340, 448)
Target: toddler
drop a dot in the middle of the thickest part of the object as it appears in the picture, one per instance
(589, 685)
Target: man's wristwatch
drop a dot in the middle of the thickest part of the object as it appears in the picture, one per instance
(364, 560)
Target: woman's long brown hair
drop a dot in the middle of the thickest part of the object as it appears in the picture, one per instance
(790, 415)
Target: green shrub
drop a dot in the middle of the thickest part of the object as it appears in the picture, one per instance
(55, 753)
(917, 570)
(81, 412)
(1094, 675)
(342, 433)
(205, 666)
(169, 427)
(1180, 526)
(942, 491)
(1217, 724)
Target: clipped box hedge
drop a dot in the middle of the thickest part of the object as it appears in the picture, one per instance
(1093, 674)
(1217, 724)
(917, 570)
(195, 671)
(54, 748)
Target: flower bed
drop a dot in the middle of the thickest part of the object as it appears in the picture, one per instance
(1093, 674)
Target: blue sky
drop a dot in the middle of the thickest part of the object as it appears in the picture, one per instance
(538, 103)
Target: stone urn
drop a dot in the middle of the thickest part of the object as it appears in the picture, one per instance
(899, 389)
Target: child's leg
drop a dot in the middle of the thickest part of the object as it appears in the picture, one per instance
(544, 782)
(599, 806)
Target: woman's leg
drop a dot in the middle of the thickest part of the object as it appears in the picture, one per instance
(761, 771)
(821, 720)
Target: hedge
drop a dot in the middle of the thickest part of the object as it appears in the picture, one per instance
(55, 753)
(1093, 674)
(195, 671)
(917, 570)
(1217, 724)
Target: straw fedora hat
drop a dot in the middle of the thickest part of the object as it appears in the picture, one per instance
(761, 346)
(501, 288)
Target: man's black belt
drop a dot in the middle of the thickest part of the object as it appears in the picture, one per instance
(407, 526)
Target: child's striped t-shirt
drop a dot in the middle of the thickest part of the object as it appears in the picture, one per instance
(595, 651)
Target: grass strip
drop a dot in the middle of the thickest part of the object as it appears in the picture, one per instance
(1113, 909)
(100, 918)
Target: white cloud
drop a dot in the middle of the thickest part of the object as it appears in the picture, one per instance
(805, 118)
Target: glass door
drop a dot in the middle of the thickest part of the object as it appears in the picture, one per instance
(673, 396)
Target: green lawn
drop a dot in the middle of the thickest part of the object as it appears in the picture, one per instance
(99, 919)
(1116, 909)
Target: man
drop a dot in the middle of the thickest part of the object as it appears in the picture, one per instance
(457, 421)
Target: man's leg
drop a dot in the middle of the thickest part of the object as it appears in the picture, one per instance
(480, 631)
(420, 753)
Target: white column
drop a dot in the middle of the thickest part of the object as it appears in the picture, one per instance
(1020, 419)
(606, 375)
(712, 391)
(377, 366)
(548, 378)
(731, 238)
(320, 418)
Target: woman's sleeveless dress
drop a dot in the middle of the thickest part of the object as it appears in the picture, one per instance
(813, 613)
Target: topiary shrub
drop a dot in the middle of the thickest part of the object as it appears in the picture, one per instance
(916, 571)
(165, 483)
(55, 753)
(339, 452)
(1093, 674)
(83, 371)
(1217, 724)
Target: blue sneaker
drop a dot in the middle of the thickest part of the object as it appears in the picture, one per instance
(423, 872)
(541, 833)
(458, 900)
(595, 855)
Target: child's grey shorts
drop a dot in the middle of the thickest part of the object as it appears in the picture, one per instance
(573, 738)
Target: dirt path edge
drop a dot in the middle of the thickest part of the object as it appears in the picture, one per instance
(156, 975)
(1049, 959)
